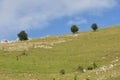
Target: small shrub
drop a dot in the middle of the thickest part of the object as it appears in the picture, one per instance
(5, 40)
(24, 53)
(62, 71)
(87, 79)
(94, 65)
(17, 58)
(80, 69)
(75, 78)
(53, 78)
(90, 68)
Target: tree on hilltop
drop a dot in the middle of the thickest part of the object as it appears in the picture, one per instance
(74, 29)
(22, 35)
(94, 27)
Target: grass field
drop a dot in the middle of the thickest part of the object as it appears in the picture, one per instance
(43, 58)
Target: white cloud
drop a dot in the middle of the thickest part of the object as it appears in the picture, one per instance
(26, 14)
(77, 21)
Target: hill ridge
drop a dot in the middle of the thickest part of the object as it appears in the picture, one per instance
(44, 58)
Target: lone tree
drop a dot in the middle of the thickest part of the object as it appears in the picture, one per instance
(23, 35)
(94, 27)
(74, 29)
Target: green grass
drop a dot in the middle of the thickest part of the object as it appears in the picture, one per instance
(67, 52)
(117, 78)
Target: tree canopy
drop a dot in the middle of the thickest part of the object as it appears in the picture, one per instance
(94, 26)
(22, 35)
(74, 29)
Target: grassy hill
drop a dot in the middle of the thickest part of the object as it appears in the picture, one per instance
(43, 58)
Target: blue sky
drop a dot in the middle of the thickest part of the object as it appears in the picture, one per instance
(53, 17)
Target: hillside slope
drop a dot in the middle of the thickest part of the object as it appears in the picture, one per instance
(43, 58)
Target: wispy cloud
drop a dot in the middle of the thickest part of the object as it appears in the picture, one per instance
(77, 21)
(26, 14)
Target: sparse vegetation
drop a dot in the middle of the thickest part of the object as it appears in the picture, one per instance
(67, 52)
(62, 71)
(75, 77)
(87, 79)
(90, 68)
(94, 65)
(80, 69)
(53, 78)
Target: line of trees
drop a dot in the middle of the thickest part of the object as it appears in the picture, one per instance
(22, 35)
(75, 29)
